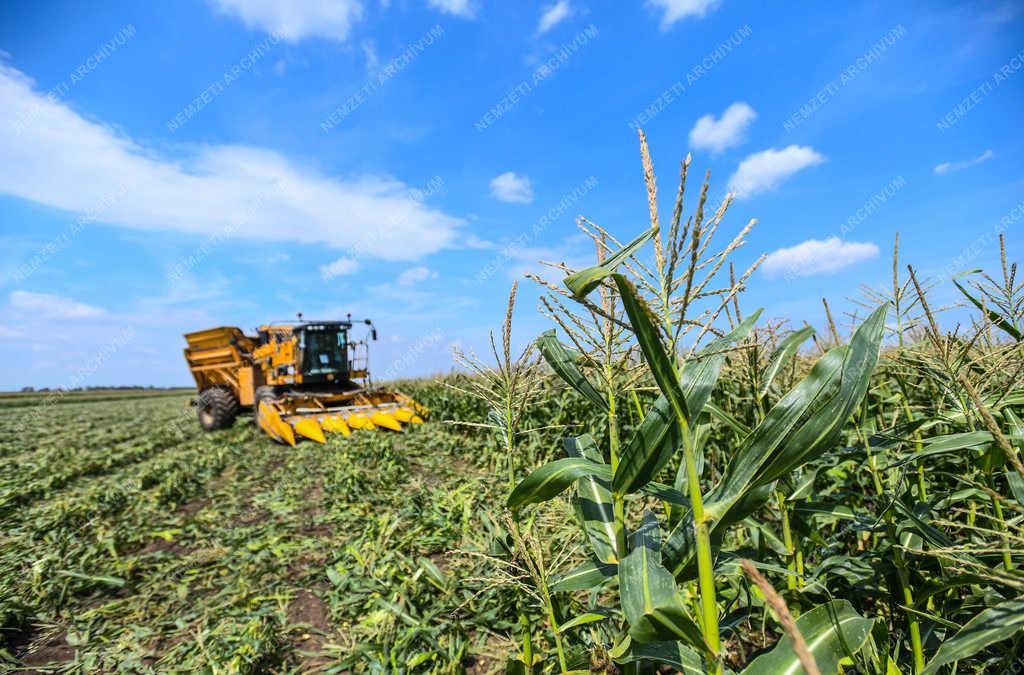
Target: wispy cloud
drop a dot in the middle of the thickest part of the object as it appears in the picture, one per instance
(513, 188)
(554, 15)
(571, 252)
(66, 161)
(53, 306)
(946, 167)
(294, 21)
(767, 169)
(369, 48)
(415, 275)
(339, 268)
(463, 8)
(728, 131)
(675, 10)
(478, 242)
(815, 256)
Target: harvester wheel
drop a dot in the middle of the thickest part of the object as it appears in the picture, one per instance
(217, 408)
(263, 393)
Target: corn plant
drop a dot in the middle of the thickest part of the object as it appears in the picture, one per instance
(647, 565)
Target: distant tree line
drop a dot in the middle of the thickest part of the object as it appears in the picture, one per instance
(128, 387)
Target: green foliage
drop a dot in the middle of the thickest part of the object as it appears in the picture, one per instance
(742, 446)
(833, 632)
(879, 490)
(991, 625)
(133, 541)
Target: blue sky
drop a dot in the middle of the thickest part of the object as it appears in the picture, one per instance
(173, 166)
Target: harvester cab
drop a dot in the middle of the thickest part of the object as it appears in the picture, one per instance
(300, 378)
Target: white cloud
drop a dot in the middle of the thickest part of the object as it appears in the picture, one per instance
(54, 156)
(339, 268)
(765, 170)
(511, 187)
(295, 20)
(52, 306)
(474, 241)
(553, 15)
(726, 132)
(946, 167)
(518, 261)
(369, 48)
(816, 257)
(463, 8)
(681, 9)
(415, 275)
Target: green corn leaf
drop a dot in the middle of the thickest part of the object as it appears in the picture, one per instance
(657, 437)
(651, 602)
(699, 436)
(700, 373)
(666, 494)
(918, 525)
(675, 654)
(937, 586)
(1016, 426)
(1017, 439)
(99, 579)
(731, 564)
(727, 419)
(851, 569)
(832, 632)
(823, 431)
(830, 512)
(649, 448)
(988, 627)
(994, 402)
(801, 486)
(551, 479)
(582, 620)
(1016, 485)
(931, 617)
(803, 425)
(994, 317)
(785, 351)
(563, 363)
(583, 577)
(680, 556)
(593, 502)
(661, 363)
(647, 458)
(680, 548)
(807, 421)
(583, 282)
(970, 439)
(945, 445)
(802, 407)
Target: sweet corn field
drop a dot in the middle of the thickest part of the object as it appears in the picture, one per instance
(667, 480)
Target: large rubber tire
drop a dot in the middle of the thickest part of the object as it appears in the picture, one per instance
(217, 408)
(264, 393)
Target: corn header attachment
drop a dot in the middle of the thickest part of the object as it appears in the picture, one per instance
(285, 419)
(301, 379)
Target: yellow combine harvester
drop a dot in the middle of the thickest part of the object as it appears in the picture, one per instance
(299, 378)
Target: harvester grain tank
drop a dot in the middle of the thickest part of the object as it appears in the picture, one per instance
(300, 378)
